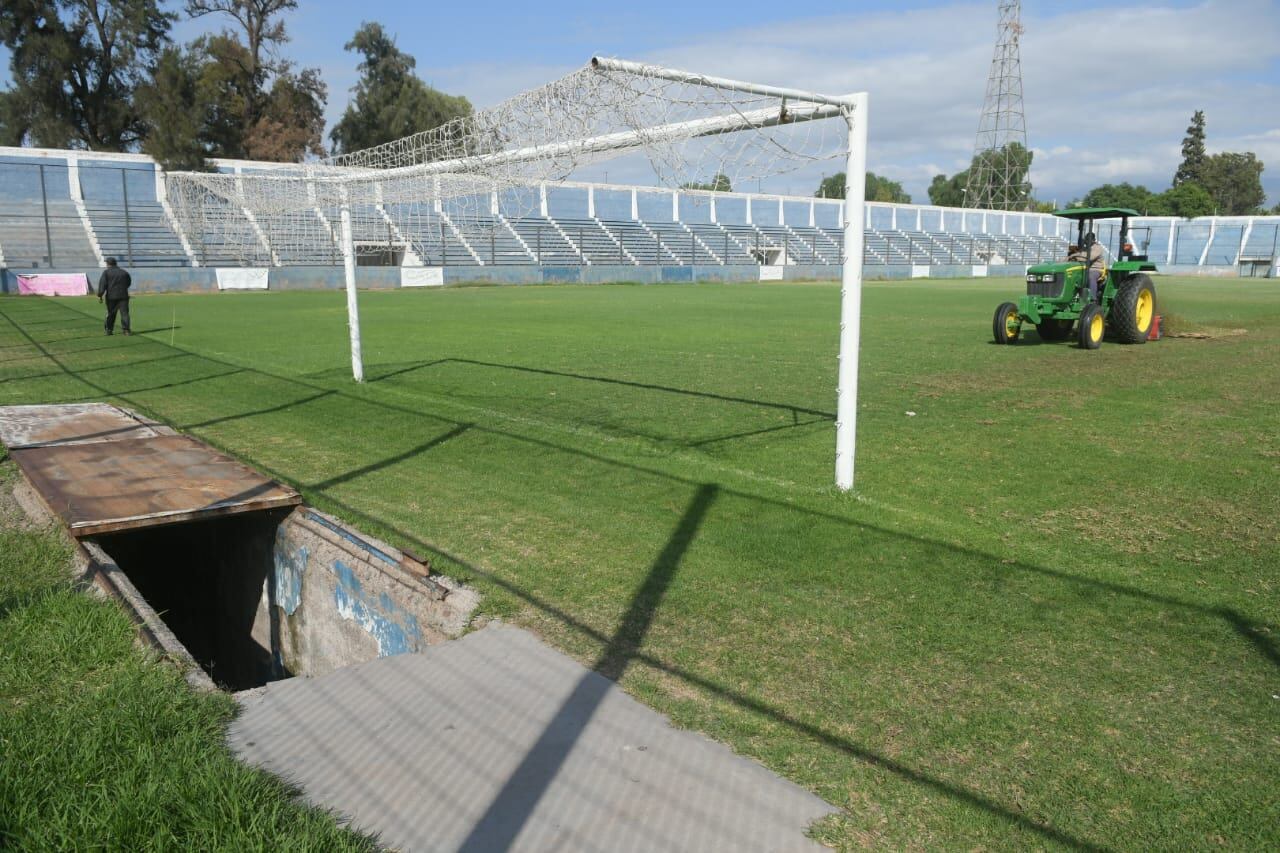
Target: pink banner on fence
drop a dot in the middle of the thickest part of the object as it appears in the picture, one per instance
(53, 284)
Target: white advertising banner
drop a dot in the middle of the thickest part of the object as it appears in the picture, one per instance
(422, 276)
(919, 270)
(242, 278)
(770, 272)
(979, 270)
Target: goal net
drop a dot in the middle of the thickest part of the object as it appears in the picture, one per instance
(467, 183)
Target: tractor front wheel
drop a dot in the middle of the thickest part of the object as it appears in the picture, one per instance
(1133, 310)
(1054, 330)
(1006, 325)
(1092, 326)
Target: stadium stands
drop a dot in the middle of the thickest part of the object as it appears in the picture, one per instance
(71, 209)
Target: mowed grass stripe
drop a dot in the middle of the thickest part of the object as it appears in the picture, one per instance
(1049, 619)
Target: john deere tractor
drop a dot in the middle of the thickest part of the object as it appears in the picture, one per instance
(1058, 297)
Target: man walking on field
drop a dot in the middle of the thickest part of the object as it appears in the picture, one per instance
(114, 285)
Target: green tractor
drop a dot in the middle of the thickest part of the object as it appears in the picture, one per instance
(1059, 298)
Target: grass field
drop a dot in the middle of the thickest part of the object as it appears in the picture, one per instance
(1049, 616)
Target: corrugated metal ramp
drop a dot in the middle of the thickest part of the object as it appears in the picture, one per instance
(103, 469)
(497, 742)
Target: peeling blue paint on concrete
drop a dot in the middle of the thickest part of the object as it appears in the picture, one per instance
(290, 566)
(395, 630)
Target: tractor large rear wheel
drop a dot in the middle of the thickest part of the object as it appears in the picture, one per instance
(1134, 310)
(1006, 325)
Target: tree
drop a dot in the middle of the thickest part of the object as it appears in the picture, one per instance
(831, 187)
(292, 121)
(720, 184)
(76, 65)
(1187, 200)
(170, 107)
(949, 192)
(1007, 169)
(13, 125)
(878, 189)
(1234, 181)
(390, 100)
(1118, 195)
(256, 105)
(1013, 159)
(1193, 155)
(883, 189)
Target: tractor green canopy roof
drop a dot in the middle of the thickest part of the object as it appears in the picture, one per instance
(1095, 212)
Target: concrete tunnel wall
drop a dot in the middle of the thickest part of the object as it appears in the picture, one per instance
(335, 598)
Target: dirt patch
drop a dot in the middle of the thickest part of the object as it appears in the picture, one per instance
(1207, 334)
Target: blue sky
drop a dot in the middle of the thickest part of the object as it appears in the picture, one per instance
(923, 63)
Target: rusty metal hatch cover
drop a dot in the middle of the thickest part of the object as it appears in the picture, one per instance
(72, 423)
(131, 483)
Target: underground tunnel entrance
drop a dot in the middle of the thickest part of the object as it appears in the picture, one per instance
(218, 563)
(206, 580)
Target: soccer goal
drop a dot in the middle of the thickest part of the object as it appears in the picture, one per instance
(461, 184)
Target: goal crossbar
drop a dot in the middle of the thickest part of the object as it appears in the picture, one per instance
(352, 175)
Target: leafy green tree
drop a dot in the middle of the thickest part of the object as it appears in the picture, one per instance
(883, 189)
(1011, 163)
(224, 89)
(720, 184)
(256, 104)
(76, 65)
(390, 101)
(1235, 182)
(1193, 154)
(1118, 195)
(291, 124)
(953, 191)
(13, 124)
(170, 107)
(1186, 200)
(878, 189)
(949, 192)
(832, 186)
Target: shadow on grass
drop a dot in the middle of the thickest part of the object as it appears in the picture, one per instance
(795, 411)
(623, 647)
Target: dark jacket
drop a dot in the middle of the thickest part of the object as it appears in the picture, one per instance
(114, 283)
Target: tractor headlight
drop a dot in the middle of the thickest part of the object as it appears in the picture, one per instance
(1031, 277)
(1047, 277)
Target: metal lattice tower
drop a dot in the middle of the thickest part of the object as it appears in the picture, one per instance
(998, 176)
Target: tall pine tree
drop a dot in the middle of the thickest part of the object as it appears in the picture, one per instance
(1192, 167)
(76, 65)
(390, 100)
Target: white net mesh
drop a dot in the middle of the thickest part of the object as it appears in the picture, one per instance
(450, 195)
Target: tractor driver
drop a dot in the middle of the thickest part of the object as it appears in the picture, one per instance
(1093, 255)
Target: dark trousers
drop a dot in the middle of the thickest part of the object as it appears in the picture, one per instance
(1094, 276)
(115, 306)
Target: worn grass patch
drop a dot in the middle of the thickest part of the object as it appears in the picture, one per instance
(1047, 619)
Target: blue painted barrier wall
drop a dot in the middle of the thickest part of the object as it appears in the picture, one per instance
(204, 279)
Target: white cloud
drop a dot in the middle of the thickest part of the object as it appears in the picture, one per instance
(1118, 115)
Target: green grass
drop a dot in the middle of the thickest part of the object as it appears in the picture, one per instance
(1048, 617)
(105, 746)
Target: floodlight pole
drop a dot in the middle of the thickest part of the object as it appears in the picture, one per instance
(851, 292)
(353, 306)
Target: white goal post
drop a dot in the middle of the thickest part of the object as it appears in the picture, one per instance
(459, 176)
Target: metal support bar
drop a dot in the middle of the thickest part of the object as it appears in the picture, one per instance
(44, 199)
(128, 226)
